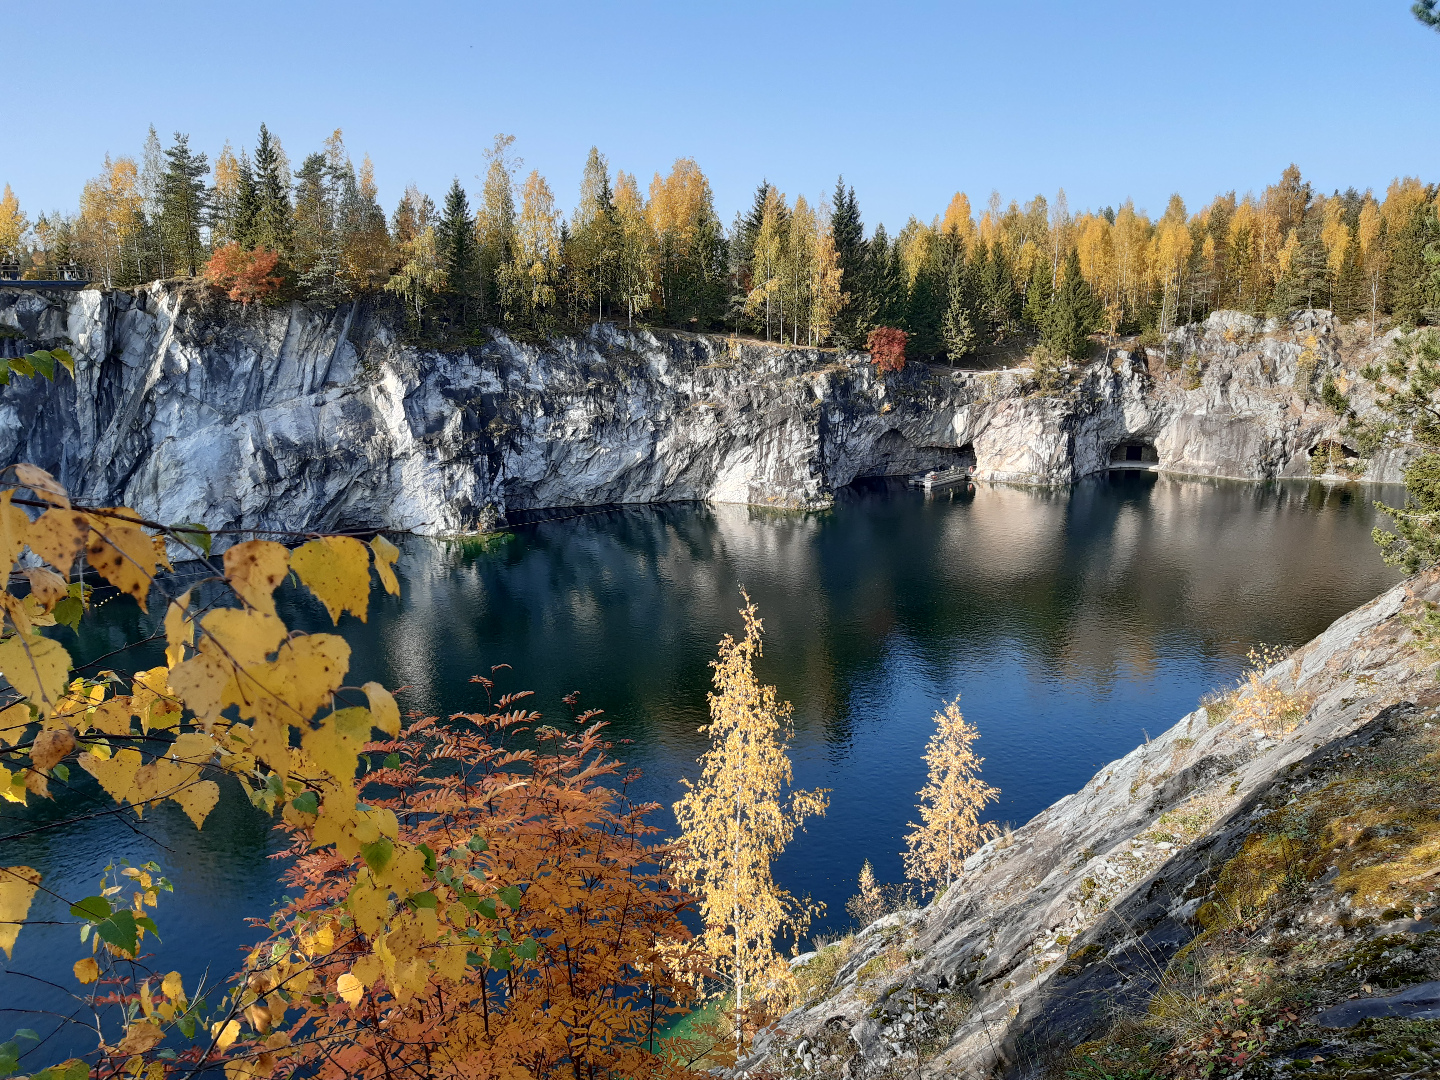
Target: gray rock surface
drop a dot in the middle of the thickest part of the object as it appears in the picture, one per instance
(1420, 1002)
(190, 408)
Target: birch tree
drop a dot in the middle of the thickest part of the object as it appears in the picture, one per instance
(737, 818)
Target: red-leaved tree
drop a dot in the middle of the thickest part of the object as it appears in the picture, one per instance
(245, 275)
(886, 346)
(541, 938)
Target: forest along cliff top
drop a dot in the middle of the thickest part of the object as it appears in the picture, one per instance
(1294, 811)
(343, 425)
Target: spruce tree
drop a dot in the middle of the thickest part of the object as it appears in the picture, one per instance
(247, 205)
(857, 317)
(182, 205)
(1074, 313)
(1037, 296)
(1412, 284)
(887, 280)
(316, 245)
(999, 302)
(456, 234)
(958, 326)
(925, 309)
(274, 226)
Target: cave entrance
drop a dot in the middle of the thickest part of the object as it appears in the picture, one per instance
(892, 454)
(1134, 455)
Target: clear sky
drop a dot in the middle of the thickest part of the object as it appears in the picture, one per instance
(911, 101)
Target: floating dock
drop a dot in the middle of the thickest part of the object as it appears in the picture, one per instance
(939, 478)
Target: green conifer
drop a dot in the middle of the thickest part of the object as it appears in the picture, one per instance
(456, 237)
(857, 317)
(1074, 313)
(1037, 296)
(182, 205)
(274, 226)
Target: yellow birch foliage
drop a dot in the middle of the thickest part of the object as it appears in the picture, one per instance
(737, 818)
(13, 225)
(950, 802)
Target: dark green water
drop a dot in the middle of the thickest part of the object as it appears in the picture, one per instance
(1071, 622)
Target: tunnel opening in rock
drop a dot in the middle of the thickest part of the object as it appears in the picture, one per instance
(892, 454)
(1134, 454)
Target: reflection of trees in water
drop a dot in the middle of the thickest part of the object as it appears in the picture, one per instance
(1091, 583)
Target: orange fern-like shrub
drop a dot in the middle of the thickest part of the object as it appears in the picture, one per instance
(540, 936)
(244, 275)
(886, 346)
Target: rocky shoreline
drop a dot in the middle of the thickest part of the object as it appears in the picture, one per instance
(191, 408)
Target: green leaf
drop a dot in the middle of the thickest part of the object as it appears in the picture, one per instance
(21, 366)
(192, 532)
(119, 930)
(68, 611)
(43, 362)
(4, 372)
(500, 959)
(27, 1033)
(474, 959)
(429, 853)
(62, 772)
(511, 895)
(74, 1069)
(477, 843)
(424, 899)
(527, 949)
(149, 924)
(93, 908)
(392, 761)
(377, 856)
(65, 359)
(10, 1056)
(307, 802)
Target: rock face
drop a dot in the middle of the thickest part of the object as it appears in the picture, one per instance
(190, 408)
(1070, 920)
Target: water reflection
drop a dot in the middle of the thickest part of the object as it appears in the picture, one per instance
(1070, 621)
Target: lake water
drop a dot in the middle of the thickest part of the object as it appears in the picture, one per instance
(1071, 623)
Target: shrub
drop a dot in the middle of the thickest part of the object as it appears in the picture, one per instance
(886, 346)
(245, 275)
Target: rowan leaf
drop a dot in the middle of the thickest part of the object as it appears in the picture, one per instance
(47, 587)
(350, 989)
(198, 800)
(254, 569)
(87, 970)
(337, 570)
(37, 668)
(44, 485)
(57, 536)
(383, 708)
(18, 885)
(385, 555)
(14, 525)
(122, 553)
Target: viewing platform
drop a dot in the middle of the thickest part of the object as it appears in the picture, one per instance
(71, 277)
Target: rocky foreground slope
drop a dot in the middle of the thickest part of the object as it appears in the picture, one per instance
(191, 408)
(1238, 896)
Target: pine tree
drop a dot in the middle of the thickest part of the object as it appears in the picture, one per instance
(456, 236)
(1074, 313)
(857, 315)
(182, 205)
(274, 225)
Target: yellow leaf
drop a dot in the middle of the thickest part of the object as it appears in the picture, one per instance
(242, 637)
(87, 970)
(383, 708)
(17, 888)
(51, 747)
(450, 962)
(122, 554)
(201, 682)
(36, 668)
(46, 586)
(14, 607)
(141, 1036)
(36, 784)
(57, 536)
(337, 570)
(13, 722)
(112, 717)
(385, 555)
(179, 631)
(198, 800)
(172, 987)
(367, 969)
(12, 786)
(194, 747)
(350, 989)
(254, 569)
(45, 486)
(370, 907)
(225, 1036)
(117, 775)
(335, 745)
(14, 524)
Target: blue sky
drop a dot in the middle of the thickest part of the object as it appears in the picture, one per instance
(911, 101)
